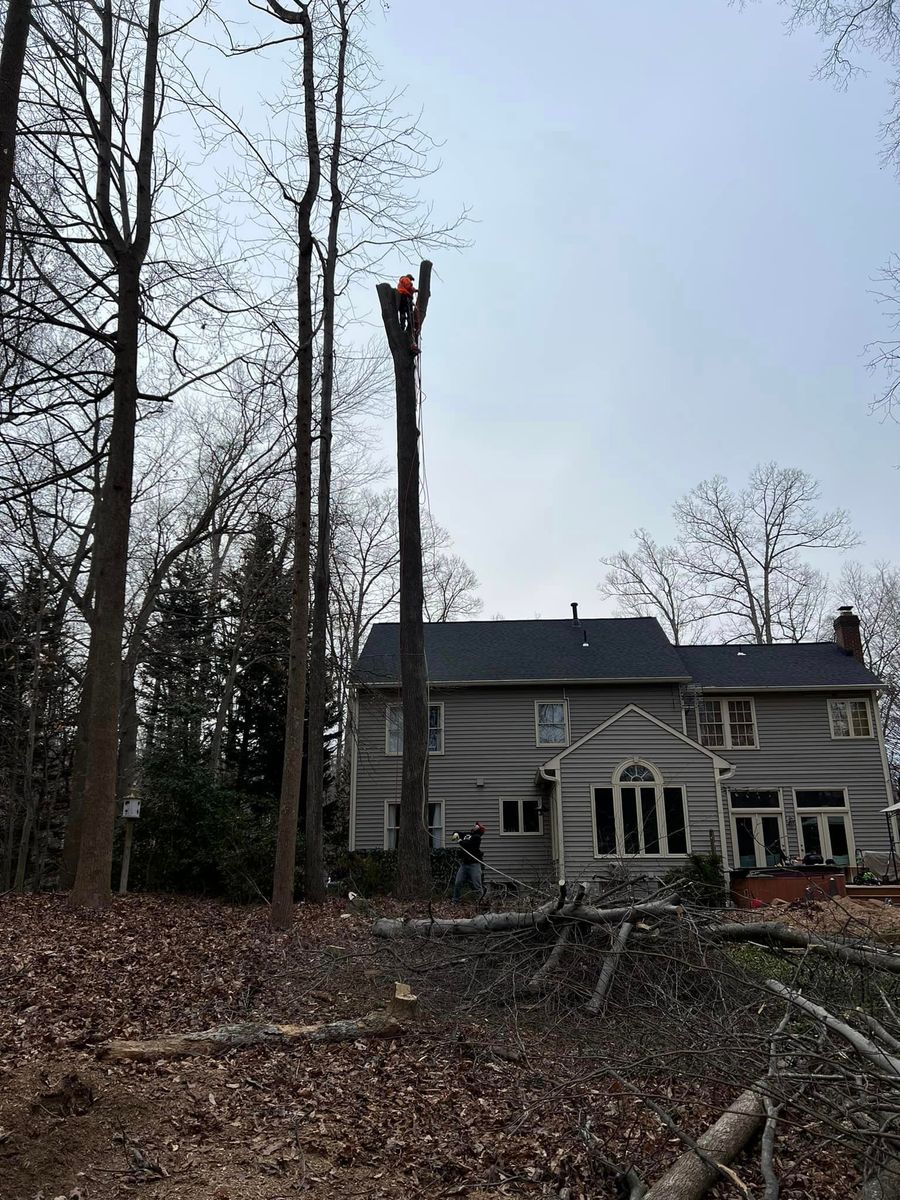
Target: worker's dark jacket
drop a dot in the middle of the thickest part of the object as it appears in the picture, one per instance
(470, 848)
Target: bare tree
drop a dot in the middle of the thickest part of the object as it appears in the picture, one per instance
(745, 550)
(12, 65)
(875, 594)
(450, 589)
(650, 580)
(318, 666)
(738, 566)
(281, 913)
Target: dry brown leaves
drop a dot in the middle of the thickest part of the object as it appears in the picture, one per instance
(435, 1113)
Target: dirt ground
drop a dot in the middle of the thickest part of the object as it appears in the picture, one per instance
(873, 920)
(456, 1106)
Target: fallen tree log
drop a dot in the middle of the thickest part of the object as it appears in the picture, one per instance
(548, 916)
(691, 1176)
(864, 1046)
(782, 935)
(596, 1002)
(387, 1022)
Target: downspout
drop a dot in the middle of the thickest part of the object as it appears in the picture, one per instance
(885, 766)
(353, 733)
(720, 777)
(551, 776)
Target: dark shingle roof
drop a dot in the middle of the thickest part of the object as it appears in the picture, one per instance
(479, 651)
(788, 664)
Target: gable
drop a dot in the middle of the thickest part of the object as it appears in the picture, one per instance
(637, 725)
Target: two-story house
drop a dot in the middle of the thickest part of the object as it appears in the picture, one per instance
(580, 743)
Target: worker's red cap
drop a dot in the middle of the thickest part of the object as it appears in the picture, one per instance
(480, 825)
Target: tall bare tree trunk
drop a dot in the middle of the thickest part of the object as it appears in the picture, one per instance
(127, 247)
(128, 733)
(31, 741)
(92, 877)
(281, 913)
(12, 65)
(314, 875)
(72, 838)
(413, 854)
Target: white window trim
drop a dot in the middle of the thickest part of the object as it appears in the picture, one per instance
(756, 811)
(537, 725)
(658, 784)
(826, 811)
(437, 704)
(442, 826)
(387, 809)
(723, 702)
(389, 753)
(851, 736)
(520, 832)
(817, 787)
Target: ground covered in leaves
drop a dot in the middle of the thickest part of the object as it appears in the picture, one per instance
(463, 1104)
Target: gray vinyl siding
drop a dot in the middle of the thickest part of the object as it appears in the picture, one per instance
(594, 765)
(489, 732)
(796, 750)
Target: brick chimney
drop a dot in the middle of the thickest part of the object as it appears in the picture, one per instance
(846, 632)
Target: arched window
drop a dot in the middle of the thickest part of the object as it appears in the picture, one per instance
(637, 773)
(639, 814)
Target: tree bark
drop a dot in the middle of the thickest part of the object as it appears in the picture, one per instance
(691, 1177)
(230, 1037)
(314, 857)
(92, 887)
(390, 1021)
(281, 912)
(12, 65)
(127, 248)
(30, 744)
(72, 840)
(782, 935)
(548, 916)
(604, 982)
(413, 851)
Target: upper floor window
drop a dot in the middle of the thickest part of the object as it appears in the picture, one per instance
(393, 740)
(552, 723)
(727, 724)
(850, 718)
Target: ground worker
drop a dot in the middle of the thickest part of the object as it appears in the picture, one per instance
(406, 289)
(471, 862)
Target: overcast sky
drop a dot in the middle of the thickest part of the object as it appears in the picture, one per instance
(676, 232)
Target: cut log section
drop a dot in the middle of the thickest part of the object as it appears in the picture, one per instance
(388, 1022)
(691, 1176)
(548, 916)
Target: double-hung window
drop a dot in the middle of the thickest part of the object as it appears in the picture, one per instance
(639, 815)
(726, 724)
(551, 720)
(435, 824)
(522, 815)
(393, 738)
(824, 820)
(850, 718)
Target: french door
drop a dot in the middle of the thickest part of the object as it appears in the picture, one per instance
(758, 838)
